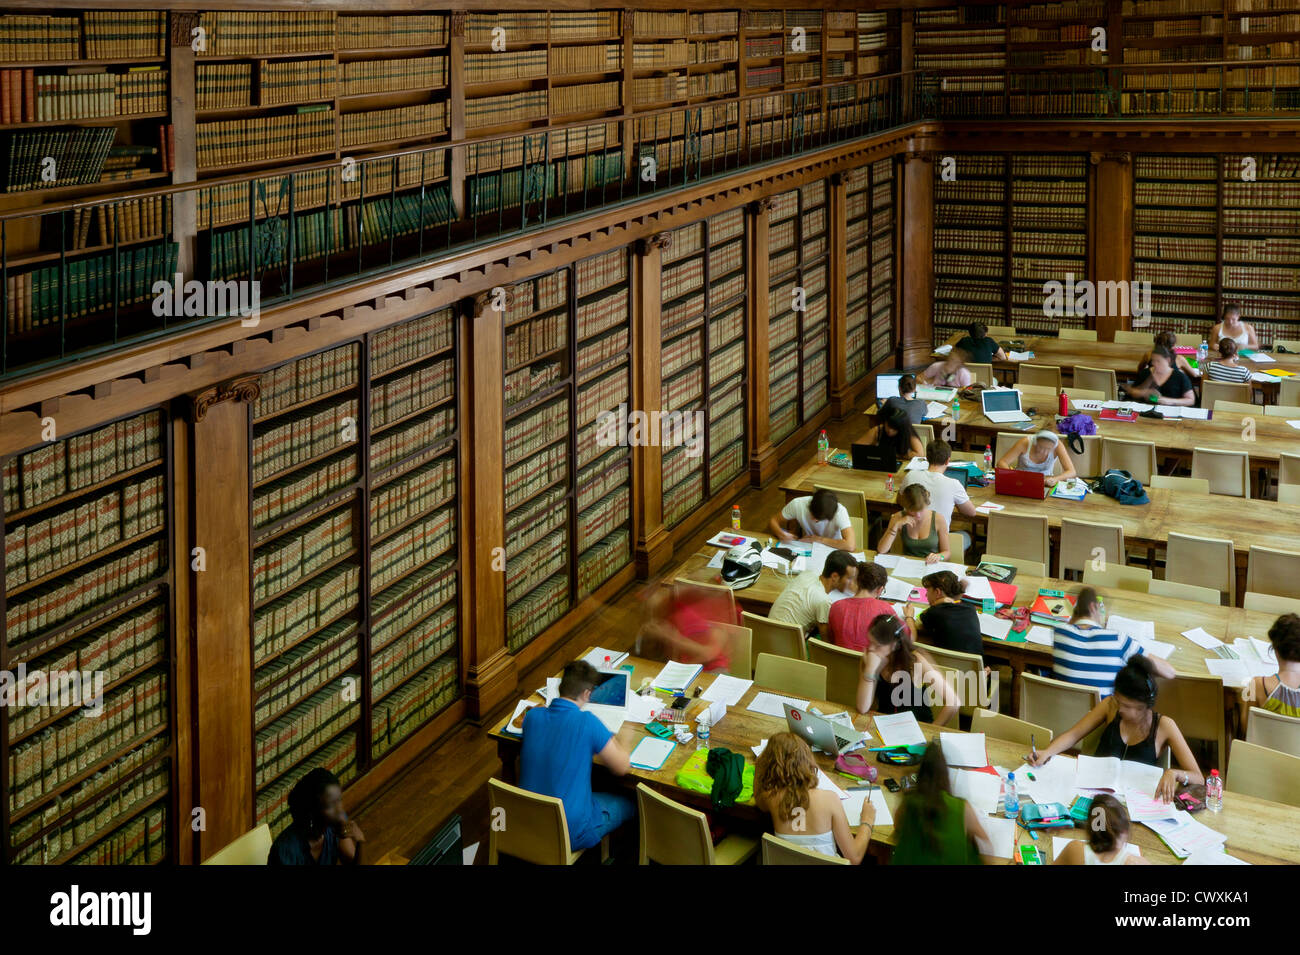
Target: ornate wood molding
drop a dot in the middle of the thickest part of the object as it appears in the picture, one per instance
(920, 155)
(660, 240)
(760, 206)
(240, 389)
(458, 23)
(483, 300)
(1123, 158)
(182, 24)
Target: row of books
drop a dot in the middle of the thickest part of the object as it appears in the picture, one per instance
(69, 748)
(296, 556)
(289, 619)
(300, 670)
(535, 430)
(247, 33)
(413, 704)
(306, 132)
(602, 560)
(541, 294)
(91, 810)
(303, 437)
(413, 651)
(126, 220)
(291, 494)
(422, 434)
(403, 122)
(384, 76)
(130, 642)
(412, 547)
(529, 380)
(142, 841)
(366, 32)
(411, 495)
(304, 729)
(585, 97)
(399, 397)
(403, 604)
(507, 65)
(56, 157)
(108, 34)
(306, 379)
(537, 610)
(517, 26)
(527, 568)
(86, 286)
(82, 460)
(410, 341)
(42, 546)
(339, 757)
(51, 97)
(281, 82)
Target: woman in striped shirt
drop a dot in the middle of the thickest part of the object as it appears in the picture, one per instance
(1227, 367)
(1086, 651)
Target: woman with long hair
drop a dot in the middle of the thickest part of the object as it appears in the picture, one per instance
(932, 826)
(895, 677)
(895, 432)
(785, 787)
(1107, 843)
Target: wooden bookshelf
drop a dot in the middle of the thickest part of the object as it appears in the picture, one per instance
(1047, 234)
(798, 339)
(869, 267)
(88, 588)
(970, 243)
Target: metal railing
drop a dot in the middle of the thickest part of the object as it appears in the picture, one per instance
(82, 277)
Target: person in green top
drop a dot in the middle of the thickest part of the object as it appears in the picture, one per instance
(923, 530)
(932, 826)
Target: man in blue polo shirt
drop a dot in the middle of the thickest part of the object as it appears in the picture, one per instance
(559, 742)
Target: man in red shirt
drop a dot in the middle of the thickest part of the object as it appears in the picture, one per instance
(681, 626)
(851, 616)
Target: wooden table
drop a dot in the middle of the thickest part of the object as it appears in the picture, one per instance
(1121, 358)
(1258, 831)
(1242, 521)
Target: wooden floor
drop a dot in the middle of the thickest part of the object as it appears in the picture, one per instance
(452, 777)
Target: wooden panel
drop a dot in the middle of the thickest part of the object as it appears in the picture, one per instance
(916, 254)
(762, 456)
(1110, 230)
(652, 549)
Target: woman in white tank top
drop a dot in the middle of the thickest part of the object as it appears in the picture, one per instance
(1107, 842)
(1242, 333)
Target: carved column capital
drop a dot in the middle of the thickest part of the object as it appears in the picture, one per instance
(660, 241)
(484, 301)
(458, 23)
(182, 23)
(765, 205)
(920, 155)
(240, 389)
(1123, 158)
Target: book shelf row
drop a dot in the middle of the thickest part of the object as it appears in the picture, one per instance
(869, 267)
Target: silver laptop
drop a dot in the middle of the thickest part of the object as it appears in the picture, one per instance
(887, 387)
(825, 734)
(1003, 406)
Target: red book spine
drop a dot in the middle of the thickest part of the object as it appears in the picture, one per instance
(171, 147)
(16, 96)
(5, 115)
(29, 95)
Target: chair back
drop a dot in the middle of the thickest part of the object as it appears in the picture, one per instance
(1054, 703)
(1044, 376)
(1192, 485)
(975, 688)
(1264, 773)
(1275, 572)
(1126, 337)
(1119, 577)
(1266, 728)
(740, 650)
(1268, 603)
(1077, 334)
(1008, 728)
(1203, 561)
(1288, 392)
(793, 677)
(1097, 379)
(252, 848)
(983, 372)
(1136, 457)
(1087, 464)
(1006, 331)
(671, 834)
(1235, 407)
(1288, 493)
(1212, 391)
(1021, 535)
(1195, 703)
(538, 832)
(773, 636)
(1171, 588)
(1281, 411)
(1227, 471)
(715, 602)
(924, 433)
(1080, 541)
(842, 669)
(1288, 467)
(776, 851)
(855, 502)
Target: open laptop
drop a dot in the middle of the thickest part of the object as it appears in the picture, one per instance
(1020, 483)
(870, 457)
(1002, 406)
(833, 738)
(886, 387)
(609, 698)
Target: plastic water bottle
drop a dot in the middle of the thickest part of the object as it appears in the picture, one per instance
(1202, 352)
(956, 408)
(702, 731)
(988, 458)
(889, 483)
(823, 448)
(735, 517)
(1011, 801)
(1214, 791)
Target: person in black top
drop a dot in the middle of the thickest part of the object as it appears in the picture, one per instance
(895, 677)
(1133, 730)
(981, 348)
(949, 623)
(895, 432)
(321, 832)
(906, 401)
(1164, 383)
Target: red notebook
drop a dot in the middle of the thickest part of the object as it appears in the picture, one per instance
(1118, 414)
(1058, 608)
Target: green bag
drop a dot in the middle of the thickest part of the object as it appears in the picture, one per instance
(693, 777)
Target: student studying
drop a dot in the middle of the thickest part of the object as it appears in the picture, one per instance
(895, 433)
(816, 518)
(1227, 367)
(932, 826)
(906, 401)
(923, 530)
(1279, 693)
(1106, 842)
(806, 600)
(950, 372)
(851, 619)
(1085, 651)
(1164, 384)
(1232, 327)
(1044, 452)
(895, 677)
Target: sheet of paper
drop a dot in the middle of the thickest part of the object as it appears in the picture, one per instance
(676, 676)
(726, 689)
(1263, 650)
(898, 729)
(896, 589)
(1054, 781)
(1202, 639)
(1140, 630)
(887, 561)
(1019, 355)
(994, 627)
(651, 752)
(1260, 376)
(853, 807)
(715, 562)
(758, 750)
(988, 507)
(837, 595)
(981, 790)
(911, 568)
(1260, 358)
(1001, 842)
(605, 659)
(769, 704)
(958, 569)
(729, 539)
(964, 749)
(917, 464)
(1211, 856)
(1232, 672)
(936, 410)
(825, 782)
(520, 707)
(717, 710)
(979, 588)
(1196, 414)
(1156, 648)
(1143, 806)
(1060, 842)
(552, 689)
(1194, 836)
(1043, 636)
(1294, 422)
(642, 709)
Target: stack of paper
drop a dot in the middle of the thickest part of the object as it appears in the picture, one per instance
(1043, 636)
(887, 561)
(1020, 355)
(1202, 639)
(730, 539)
(936, 410)
(1258, 357)
(1001, 841)
(930, 393)
(964, 749)
(898, 729)
(603, 659)
(1184, 835)
(995, 627)
(676, 676)
(770, 704)
(979, 588)
(1212, 856)
(1116, 775)
(896, 589)
(1143, 806)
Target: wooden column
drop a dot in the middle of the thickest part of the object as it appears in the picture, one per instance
(221, 655)
(762, 456)
(838, 297)
(653, 546)
(456, 108)
(180, 70)
(1110, 232)
(916, 255)
(490, 673)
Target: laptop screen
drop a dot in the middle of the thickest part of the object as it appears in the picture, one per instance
(1008, 400)
(887, 386)
(611, 690)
